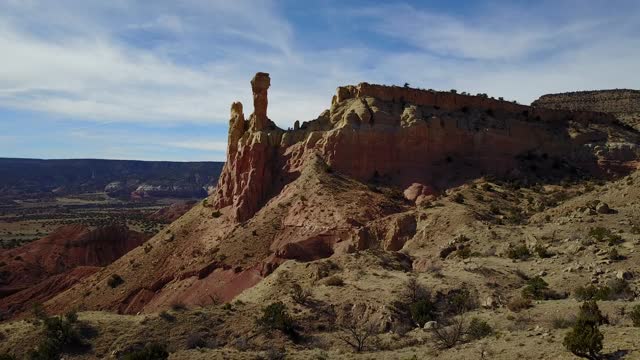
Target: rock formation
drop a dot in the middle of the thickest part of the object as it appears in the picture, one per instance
(349, 181)
(259, 85)
(623, 103)
(48, 264)
(404, 136)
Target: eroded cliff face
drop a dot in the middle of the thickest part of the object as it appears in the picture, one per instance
(622, 103)
(403, 136)
(348, 181)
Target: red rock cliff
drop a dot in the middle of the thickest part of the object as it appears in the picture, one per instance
(402, 136)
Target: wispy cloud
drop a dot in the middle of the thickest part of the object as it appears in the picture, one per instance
(170, 62)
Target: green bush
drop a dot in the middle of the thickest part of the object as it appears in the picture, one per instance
(635, 315)
(620, 290)
(115, 280)
(458, 198)
(276, 317)
(563, 322)
(603, 234)
(458, 301)
(150, 352)
(519, 303)
(479, 329)
(614, 255)
(591, 292)
(538, 289)
(216, 214)
(615, 290)
(585, 339)
(422, 311)
(60, 336)
(166, 316)
(542, 252)
(520, 252)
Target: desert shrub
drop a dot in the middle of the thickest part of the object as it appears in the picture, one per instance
(495, 209)
(614, 255)
(276, 354)
(585, 339)
(178, 306)
(149, 352)
(356, 335)
(448, 336)
(299, 294)
(115, 280)
(205, 203)
(195, 341)
(464, 252)
(563, 322)
(589, 310)
(603, 234)
(457, 301)
(216, 214)
(413, 291)
(71, 316)
(535, 289)
(538, 289)
(520, 252)
(615, 290)
(276, 317)
(620, 289)
(635, 315)
(59, 336)
(422, 311)
(542, 252)
(6, 356)
(166, 316)
(479, 329)
(38, 312)
(519, 303)
(334, 280)
(458, 198)
(591, 292)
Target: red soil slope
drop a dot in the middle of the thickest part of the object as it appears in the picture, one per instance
(41, 269)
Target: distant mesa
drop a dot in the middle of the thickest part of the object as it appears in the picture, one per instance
(624, 104)
(117, 178)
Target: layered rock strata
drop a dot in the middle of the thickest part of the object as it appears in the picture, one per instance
(622, 103)
(406, 136)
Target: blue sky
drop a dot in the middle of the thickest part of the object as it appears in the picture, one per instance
(154, 80)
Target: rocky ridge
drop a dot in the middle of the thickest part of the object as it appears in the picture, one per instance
(405, 136)
(334, 185)
(41, 269)
(622, 103)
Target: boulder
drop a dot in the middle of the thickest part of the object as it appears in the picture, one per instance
(429, 325)
(603, 208)
(623, 275)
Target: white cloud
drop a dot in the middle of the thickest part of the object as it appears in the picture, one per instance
(69, 59)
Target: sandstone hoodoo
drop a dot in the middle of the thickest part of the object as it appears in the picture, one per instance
(363, 175)
(403, 136)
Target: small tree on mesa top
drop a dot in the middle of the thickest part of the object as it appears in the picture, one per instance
(585, 339)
